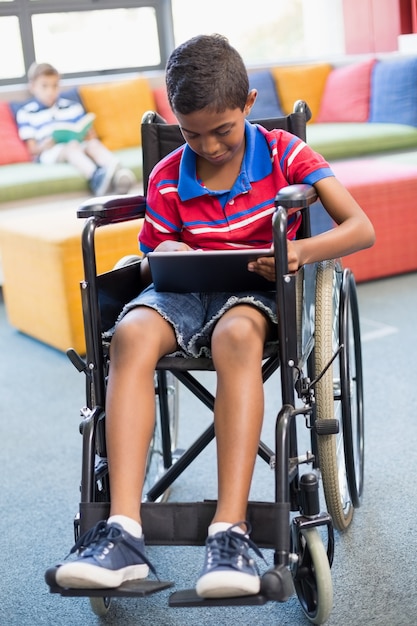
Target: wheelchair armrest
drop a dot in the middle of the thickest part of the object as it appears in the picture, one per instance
(295, 197)
(114, 208)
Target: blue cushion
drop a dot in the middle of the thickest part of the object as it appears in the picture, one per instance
(267, 103)
(72, 94)
(16, 105)
(394, 92)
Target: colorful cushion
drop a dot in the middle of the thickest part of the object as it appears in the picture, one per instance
(13, 149)
(119, 108)
(394, 91)
(346, 94)
(162, 105)
(342, 140)
(301, 82)
(72, 94)
(267, 103)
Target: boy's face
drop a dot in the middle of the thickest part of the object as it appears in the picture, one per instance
(216, 137)
(46, 89)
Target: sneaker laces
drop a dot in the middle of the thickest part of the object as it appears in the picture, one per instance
(227, 545)
(93, 542)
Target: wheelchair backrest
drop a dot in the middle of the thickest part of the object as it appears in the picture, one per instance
(160, 138)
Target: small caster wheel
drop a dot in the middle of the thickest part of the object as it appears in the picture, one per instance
(100, 605)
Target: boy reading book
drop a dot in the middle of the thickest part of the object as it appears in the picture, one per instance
(39, 120)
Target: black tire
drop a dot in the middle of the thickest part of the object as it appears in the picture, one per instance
(352, 387)
(100, 605)
(312, 576)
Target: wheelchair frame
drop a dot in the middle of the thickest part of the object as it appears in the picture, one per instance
(299, 554)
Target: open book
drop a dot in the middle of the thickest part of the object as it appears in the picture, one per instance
(69, 131)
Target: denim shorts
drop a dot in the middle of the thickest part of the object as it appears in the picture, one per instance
(194, 315)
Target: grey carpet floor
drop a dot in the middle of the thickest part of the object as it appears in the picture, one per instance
(375, 567)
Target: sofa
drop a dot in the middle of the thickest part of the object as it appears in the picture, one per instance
(364, 121)
(363, 107)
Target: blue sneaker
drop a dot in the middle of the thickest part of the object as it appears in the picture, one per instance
(228, 569)
(107, 557)
(101, 181)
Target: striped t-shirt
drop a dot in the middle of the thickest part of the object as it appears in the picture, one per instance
(36, 121)
(180, 208)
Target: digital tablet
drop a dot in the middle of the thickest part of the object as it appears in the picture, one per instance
(210, 270)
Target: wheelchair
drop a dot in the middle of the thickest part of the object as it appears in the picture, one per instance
(318, 356)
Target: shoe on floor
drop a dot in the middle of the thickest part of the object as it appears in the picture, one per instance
(106, 557)
(123, 181)
(101, 181)
(228, 569)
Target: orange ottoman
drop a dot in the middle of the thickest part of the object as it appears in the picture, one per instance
(42, 266)
(387, 192)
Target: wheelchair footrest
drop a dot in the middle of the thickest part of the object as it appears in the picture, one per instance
(129, 589)
(189, 598)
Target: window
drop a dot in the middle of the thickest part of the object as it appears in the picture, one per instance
(84, 37)
(266, 31)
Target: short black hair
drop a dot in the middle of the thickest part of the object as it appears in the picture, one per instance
(206, 71)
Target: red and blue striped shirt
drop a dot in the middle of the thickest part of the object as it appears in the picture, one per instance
(180, 208)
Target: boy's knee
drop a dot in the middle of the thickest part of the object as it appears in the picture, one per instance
(235, 333)
(126, 335)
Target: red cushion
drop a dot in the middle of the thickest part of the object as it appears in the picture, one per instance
(12, 148)
(162, 105)
(346, 94)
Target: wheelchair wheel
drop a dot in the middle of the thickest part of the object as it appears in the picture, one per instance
(312, 577)
(329, 393)
(100, 605)
(165, 436)
(352, 387)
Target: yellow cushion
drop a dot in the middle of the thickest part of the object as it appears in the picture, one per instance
(119, 108)
(301, 82)
(42, 268)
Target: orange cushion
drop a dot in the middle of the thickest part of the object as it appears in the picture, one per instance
(301, 82)
(118, 108)
(13, 149)
(346, 95)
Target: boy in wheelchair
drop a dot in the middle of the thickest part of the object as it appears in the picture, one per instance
(215, 192)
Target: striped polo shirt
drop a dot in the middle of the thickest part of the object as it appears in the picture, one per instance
(180, 208)
(36, 121)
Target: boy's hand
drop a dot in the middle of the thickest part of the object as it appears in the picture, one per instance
(264, 265)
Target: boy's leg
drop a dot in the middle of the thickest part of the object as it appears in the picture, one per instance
(142, 338)
(120, 179)
(99, 173)
(73, 153)
(237, 347)
(114, 551)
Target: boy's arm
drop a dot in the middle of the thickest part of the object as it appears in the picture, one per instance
(354, 231)
(36, 148)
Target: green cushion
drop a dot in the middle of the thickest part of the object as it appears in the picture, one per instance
(402, 158)
(345, 140)
(30, 180)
